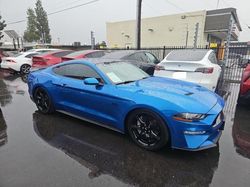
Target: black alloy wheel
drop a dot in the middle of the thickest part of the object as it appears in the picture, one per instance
(147, 130)
(43, 101)
(25, 69)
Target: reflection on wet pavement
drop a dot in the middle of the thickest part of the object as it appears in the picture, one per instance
(104, 151)
(57, 150)
(241, 130)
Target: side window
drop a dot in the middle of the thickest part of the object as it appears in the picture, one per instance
(31, 55)
(151, 58)
(212, 58)
(142, 57)
(62, 53)
(131, 57)
(77, 71)
(138, 57)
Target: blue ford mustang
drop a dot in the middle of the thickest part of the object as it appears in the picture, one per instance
(154, 111)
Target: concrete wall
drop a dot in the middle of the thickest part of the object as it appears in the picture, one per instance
(170, 30)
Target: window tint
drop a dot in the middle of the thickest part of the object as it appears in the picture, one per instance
(187, 55)
(77, 71)
(138, 57)
(212, 58)
(62, 53)
(151, 58)
(31, 55)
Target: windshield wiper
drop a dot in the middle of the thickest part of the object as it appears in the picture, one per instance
(125, 82)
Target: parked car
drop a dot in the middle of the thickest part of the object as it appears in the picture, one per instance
(83, 54)
(142, 59)
(2, 55)
(49, 58)
(197, 66)
(20, 62)
(154, 111)
(244, 95)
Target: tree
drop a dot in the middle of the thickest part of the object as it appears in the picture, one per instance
(2, 26)
(31, 33)
(42, 23)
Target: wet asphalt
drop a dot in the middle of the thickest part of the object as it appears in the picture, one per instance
(57, 150)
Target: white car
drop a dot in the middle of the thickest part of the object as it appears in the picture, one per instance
(196, 65)
(21, 62)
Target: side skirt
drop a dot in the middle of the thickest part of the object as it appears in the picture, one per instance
(90, 121)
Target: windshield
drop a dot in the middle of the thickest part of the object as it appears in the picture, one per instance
(121, 72)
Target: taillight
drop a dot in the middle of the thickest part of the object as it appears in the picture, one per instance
(158, 68)
(205, 70)
(11, 61)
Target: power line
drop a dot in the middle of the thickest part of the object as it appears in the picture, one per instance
(230, 5)
(174, 5)
(76, 6)
(59, 11)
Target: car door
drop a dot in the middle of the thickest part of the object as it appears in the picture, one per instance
(91, 102)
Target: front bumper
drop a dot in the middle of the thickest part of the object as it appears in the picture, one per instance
(195, 136)
(201, 142)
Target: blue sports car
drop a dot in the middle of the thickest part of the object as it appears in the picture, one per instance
(154, 111)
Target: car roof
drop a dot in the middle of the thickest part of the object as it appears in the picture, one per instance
(92, 61)
(81, 52)
(120, 54)
(52, 52)
(187, 54)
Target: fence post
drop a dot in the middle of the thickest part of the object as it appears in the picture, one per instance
(164, 51)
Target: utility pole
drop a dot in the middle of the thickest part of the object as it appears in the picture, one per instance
(218, 2)
(138, 25)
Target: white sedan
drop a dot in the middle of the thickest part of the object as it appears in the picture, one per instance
(21, 62)
(196, 65)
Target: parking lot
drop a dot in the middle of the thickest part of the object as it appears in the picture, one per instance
(57, 150)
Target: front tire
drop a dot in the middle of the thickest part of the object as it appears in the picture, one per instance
(147, 129)
(43, 101)
(25, 69)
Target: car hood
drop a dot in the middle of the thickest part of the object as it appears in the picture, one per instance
(188, 96)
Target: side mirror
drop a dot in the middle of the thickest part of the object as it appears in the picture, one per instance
(91, 81)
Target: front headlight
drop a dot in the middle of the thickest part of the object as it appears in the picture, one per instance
(189, 117)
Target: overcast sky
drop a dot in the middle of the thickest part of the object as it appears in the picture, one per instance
(76, 24)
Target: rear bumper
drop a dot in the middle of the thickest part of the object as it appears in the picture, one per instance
(10, 66)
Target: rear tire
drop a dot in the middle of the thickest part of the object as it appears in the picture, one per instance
(147, 129)
(25, 69)
(43, 101)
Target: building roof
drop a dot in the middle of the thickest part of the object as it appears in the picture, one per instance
(219, 19)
